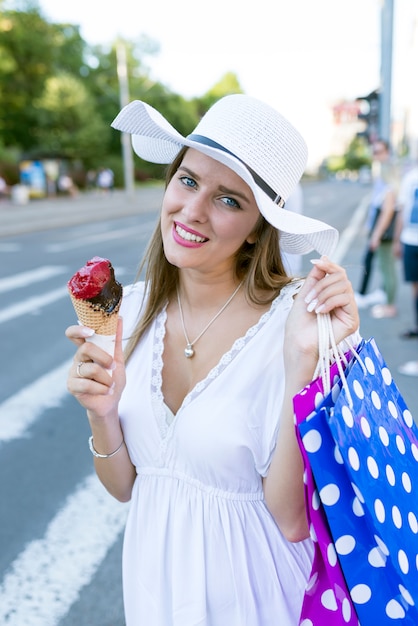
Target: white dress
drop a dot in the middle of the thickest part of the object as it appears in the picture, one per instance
(201, 547)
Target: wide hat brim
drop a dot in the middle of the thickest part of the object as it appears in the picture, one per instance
(155, 140)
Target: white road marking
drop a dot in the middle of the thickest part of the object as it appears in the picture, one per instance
(83, 241)
(46, 578)
(34, 304)
(30, 277)
(21, 410)
(31, 305)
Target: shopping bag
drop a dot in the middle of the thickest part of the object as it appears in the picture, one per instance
(327, 600)
(362, 448)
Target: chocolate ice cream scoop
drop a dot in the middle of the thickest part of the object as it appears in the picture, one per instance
(96, 284)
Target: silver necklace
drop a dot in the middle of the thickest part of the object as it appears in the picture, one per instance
(188, 351)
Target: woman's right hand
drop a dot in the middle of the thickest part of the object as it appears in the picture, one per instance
(89, 380)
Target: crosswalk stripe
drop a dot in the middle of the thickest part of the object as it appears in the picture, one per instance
(29, 305)
(21, 410)
(46, 578)
(27, 278)
(37, 302)
(32, 304)
(82, 241)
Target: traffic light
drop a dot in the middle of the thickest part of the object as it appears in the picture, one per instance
(369, 114)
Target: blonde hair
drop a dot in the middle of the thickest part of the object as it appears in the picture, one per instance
(258, 265)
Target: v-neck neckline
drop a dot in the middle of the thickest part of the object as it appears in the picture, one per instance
(159, 405)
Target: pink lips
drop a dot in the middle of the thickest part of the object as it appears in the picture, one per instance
(185, 242)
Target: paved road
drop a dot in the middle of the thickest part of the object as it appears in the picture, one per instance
(60, 533)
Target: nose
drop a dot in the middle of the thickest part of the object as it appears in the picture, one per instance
(196, 207)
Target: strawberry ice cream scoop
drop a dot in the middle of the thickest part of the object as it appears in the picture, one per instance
(96, 295)
(96, 283)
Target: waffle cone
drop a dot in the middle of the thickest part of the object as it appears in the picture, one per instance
(99, 321)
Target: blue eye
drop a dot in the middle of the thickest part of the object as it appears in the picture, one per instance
(187, 181)
(231, 202)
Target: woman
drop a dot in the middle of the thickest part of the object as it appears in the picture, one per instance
(195, 426)
(380, 223)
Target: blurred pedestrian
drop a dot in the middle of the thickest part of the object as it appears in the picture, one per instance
(4, 188)
(67, 186)
(380, 224)
(406, 239)
(105, 179)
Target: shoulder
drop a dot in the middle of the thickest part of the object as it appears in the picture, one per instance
(293, 287)
(284, 301)
(411, 177)
(409, 181)
(132, 303)
(133, 291)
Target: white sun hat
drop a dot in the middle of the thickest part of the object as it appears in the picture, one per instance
(253, 140)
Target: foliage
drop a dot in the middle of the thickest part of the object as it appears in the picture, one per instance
(358, 154)
(31, 50)
(67, 122)
(59, 95)
(335, 163)
(227, 85)
(356, 157)
(9, 169)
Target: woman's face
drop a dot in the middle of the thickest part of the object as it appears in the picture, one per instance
(208, 212)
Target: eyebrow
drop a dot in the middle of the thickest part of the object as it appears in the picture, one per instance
(221, 188)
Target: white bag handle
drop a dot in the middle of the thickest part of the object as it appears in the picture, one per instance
(331, 352)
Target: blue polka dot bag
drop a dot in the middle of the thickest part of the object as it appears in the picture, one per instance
(327, 599)
(361, 443)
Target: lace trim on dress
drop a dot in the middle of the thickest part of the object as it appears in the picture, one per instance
(157, 398)
(284, 298)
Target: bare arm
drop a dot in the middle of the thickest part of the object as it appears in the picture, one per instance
(397, 245)
(327, 288)
(386, 214)
(99, 393)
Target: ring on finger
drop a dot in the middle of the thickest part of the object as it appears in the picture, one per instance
(79, 374)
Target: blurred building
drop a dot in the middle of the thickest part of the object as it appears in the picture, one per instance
(411, 104)
(346, 125)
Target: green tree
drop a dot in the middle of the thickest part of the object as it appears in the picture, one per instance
(67, 121)
(31, 50)
(103, 81)
(358, 154)
(228, 84)
(58, 95)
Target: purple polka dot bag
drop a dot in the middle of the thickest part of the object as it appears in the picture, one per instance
(361, 445)
(327, 599)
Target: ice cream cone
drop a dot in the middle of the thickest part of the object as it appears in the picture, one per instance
(98, 320)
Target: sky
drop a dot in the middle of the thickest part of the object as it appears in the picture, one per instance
(300, 56)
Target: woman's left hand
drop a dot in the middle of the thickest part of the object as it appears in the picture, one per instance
(326, 289)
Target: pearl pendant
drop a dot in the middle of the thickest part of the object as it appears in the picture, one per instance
(188, 351)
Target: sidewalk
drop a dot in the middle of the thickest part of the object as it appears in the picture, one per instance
(45, 213)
